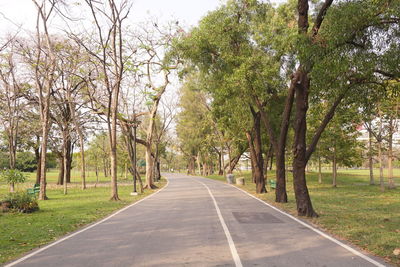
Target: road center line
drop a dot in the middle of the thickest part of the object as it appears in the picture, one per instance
(232, 247)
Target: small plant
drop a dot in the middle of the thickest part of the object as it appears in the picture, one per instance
(20, 201)
(12, 177)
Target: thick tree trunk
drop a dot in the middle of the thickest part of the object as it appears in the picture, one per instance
(220, 171)
(60, 180)
(149, 169)
(198, 160)
(252, 160)
(371, 160)
(280, 191)
(303, 201)
(256, 146)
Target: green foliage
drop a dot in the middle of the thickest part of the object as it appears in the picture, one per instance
(12, 176)
(22, 202)
(26, 162)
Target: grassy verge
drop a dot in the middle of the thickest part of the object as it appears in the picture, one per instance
(58, 216)
(359, 213)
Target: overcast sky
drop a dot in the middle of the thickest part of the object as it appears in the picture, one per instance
(188, 12)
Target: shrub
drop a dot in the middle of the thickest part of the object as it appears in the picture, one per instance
(21, 201)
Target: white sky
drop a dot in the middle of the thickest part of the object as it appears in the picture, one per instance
(187, 12)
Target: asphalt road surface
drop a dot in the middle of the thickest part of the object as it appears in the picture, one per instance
(198, 222)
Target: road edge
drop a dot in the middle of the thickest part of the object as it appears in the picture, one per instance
(314, 229)
(87, 227)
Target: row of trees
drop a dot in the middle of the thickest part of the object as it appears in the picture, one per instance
(269, 79)
(60, 87)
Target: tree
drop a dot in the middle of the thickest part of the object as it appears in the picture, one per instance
(107, 58)
(154, 69)
(232, 70)
(11, 101)
(43, 65)
(12, 177)
(318, 46)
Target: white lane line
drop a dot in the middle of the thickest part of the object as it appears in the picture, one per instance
(232, 247)
(370, 260)
(83, 230)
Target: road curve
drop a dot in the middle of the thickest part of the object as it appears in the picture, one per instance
(198, 222)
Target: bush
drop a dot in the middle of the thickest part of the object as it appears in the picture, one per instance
(20, 201)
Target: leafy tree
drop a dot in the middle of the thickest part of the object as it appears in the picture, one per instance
(12, 177)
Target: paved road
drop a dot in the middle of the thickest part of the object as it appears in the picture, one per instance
(197, 222)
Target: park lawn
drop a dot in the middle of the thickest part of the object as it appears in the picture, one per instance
(59, 215)
(52, 177)
(353, 211)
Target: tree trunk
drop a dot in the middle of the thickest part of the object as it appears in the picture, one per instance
(256, 146)
(149, 169)
(105, 169)
(43, 149)
(303, 201)
(230, 169)
(66, 168)
(126, 171)
(113, 147)
(97, 174)
(60, 170)
(68, 158)
(370, 158)
(83, 161)
(198, 160)
(381, 181)
(390, 154)
(37, 157)
(220, 171)
(205, 169)
(252, 160)
(319, 170)
(334, 167)
(223, 161)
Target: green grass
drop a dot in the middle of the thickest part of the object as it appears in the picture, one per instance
(353, 211)
(58, 216)
(52, 177)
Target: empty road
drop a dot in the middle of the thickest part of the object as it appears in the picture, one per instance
(198, 222)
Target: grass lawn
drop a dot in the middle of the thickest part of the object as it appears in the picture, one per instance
(353, 211)
(58, 216)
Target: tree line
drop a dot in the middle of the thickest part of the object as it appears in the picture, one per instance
(293, 82)
(90, 85)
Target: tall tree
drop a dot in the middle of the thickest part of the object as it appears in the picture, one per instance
(106, 48)
(44, 64)
(11, 101)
